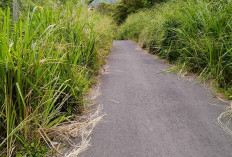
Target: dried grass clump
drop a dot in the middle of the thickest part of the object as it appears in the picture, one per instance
(73, 137)
(225, 120)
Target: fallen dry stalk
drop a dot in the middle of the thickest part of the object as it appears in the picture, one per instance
(225, 120)
(74, 136)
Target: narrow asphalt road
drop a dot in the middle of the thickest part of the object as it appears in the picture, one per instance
(153, 114)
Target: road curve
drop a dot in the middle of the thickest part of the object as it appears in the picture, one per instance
(153, 114)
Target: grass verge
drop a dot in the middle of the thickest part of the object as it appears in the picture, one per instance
(194, 34)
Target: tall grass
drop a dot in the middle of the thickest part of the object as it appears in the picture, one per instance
(194, 34)
(48, 59)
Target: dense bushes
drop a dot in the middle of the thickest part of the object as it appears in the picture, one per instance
(121, 9)
(48, 60)
(195, 34)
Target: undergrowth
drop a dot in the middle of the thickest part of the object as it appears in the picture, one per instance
(194, 34)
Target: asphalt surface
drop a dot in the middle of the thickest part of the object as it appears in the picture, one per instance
(153, 114)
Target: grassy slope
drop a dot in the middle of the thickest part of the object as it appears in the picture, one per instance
(48, 59)
(194, 34)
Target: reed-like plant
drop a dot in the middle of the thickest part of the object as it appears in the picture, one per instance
(48, 59)
(194, 34)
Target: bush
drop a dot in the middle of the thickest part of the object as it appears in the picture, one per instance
(106, 8)
(121, 9)
(134, 25)
(120, 13)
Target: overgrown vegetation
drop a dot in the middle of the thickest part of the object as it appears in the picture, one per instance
(122, 8)
(194, 34)
(89, 1)
(48, 60)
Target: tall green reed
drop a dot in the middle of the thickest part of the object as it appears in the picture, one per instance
(48, 59)
(194, 34)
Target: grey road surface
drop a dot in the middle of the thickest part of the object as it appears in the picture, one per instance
(154, 114)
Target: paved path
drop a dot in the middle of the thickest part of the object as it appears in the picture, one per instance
(153, 114)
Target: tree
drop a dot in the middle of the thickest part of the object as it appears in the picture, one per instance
(134, 5)
(125, 7)
(106, 8)
(121, 13)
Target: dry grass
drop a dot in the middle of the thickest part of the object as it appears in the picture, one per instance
(225, 120)
(71, 138)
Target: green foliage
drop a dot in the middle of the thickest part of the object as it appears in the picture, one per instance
(121, 9)
(195, 34)
(126, 7)
(106, 8)
(121, 13)
(32, 150)
(88, 1)
(134, 5)
(48, 60)
(4, 4)
(134, 25)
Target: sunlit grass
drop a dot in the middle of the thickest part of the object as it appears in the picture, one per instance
(195, 34)
(48, 60)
